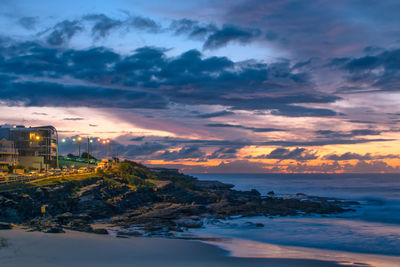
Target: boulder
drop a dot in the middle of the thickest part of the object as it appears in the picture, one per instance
(100, 231)
(5, 226)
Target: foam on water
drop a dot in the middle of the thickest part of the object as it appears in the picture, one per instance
(373, 231)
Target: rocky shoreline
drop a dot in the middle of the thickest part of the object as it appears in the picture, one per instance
(139, 202)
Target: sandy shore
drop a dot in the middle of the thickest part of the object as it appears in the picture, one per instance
(82, 249)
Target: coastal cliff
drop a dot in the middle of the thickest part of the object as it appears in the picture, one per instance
(132, 196)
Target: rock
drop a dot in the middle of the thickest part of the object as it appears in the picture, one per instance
(189, 223)
(259, 224)
(255, 192)
(54, 230)
(271, 193)
(5, 226)
(100, 231)
(216, 185)
(134, 233)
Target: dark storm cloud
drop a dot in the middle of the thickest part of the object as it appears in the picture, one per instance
(228, 34)
(253, 129)
(28, 23)
(371, 73)
(189, 79)
(299, 154)
(216, 114)
(42, 94)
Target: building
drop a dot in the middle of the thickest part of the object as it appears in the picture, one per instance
(8, 154)
(37, 147)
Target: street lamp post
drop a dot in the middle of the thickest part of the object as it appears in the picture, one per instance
(79, 146)
(88, 151)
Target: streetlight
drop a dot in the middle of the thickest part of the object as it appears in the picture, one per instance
(79, 146)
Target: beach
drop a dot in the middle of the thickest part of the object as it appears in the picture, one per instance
(83, 249)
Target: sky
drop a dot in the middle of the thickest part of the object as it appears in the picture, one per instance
(253, 86)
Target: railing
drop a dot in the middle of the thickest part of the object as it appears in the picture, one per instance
(8, 160)
(9, 150)
(24, 178)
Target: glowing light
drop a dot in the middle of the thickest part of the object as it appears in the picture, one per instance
(91, 141)
(104, 142)
(37, 137)
(79, 138)
(108, 141)
(98, 139)
(63, 140)
(73, 139)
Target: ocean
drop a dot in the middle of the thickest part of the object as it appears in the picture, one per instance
(369, 235)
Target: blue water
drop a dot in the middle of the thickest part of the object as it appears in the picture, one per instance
(373, 228)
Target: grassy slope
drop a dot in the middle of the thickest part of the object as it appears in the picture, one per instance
(130, 173)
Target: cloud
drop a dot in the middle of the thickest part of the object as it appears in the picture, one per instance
(135, 139)
(29, 23)
(371, 73)
(189, 79)
(349, 134)
(229, 152)
(73, 119)
(143, 23)
(323, 142)
(361, 166)
(102, 24)
(186, 152)
(310, 28)
(253, 129)
(59, 95)
(300, 111)
(216, 114)
(93, 125)
(144, 149)
(40, 113)
(193, 29)
(237, 166)
(228, 34)
(299, 154)
(352, 156)
(63, 31)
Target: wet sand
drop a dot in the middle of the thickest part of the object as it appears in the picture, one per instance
(82, 249)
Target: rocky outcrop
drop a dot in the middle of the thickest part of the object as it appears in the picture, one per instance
(181, 203)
